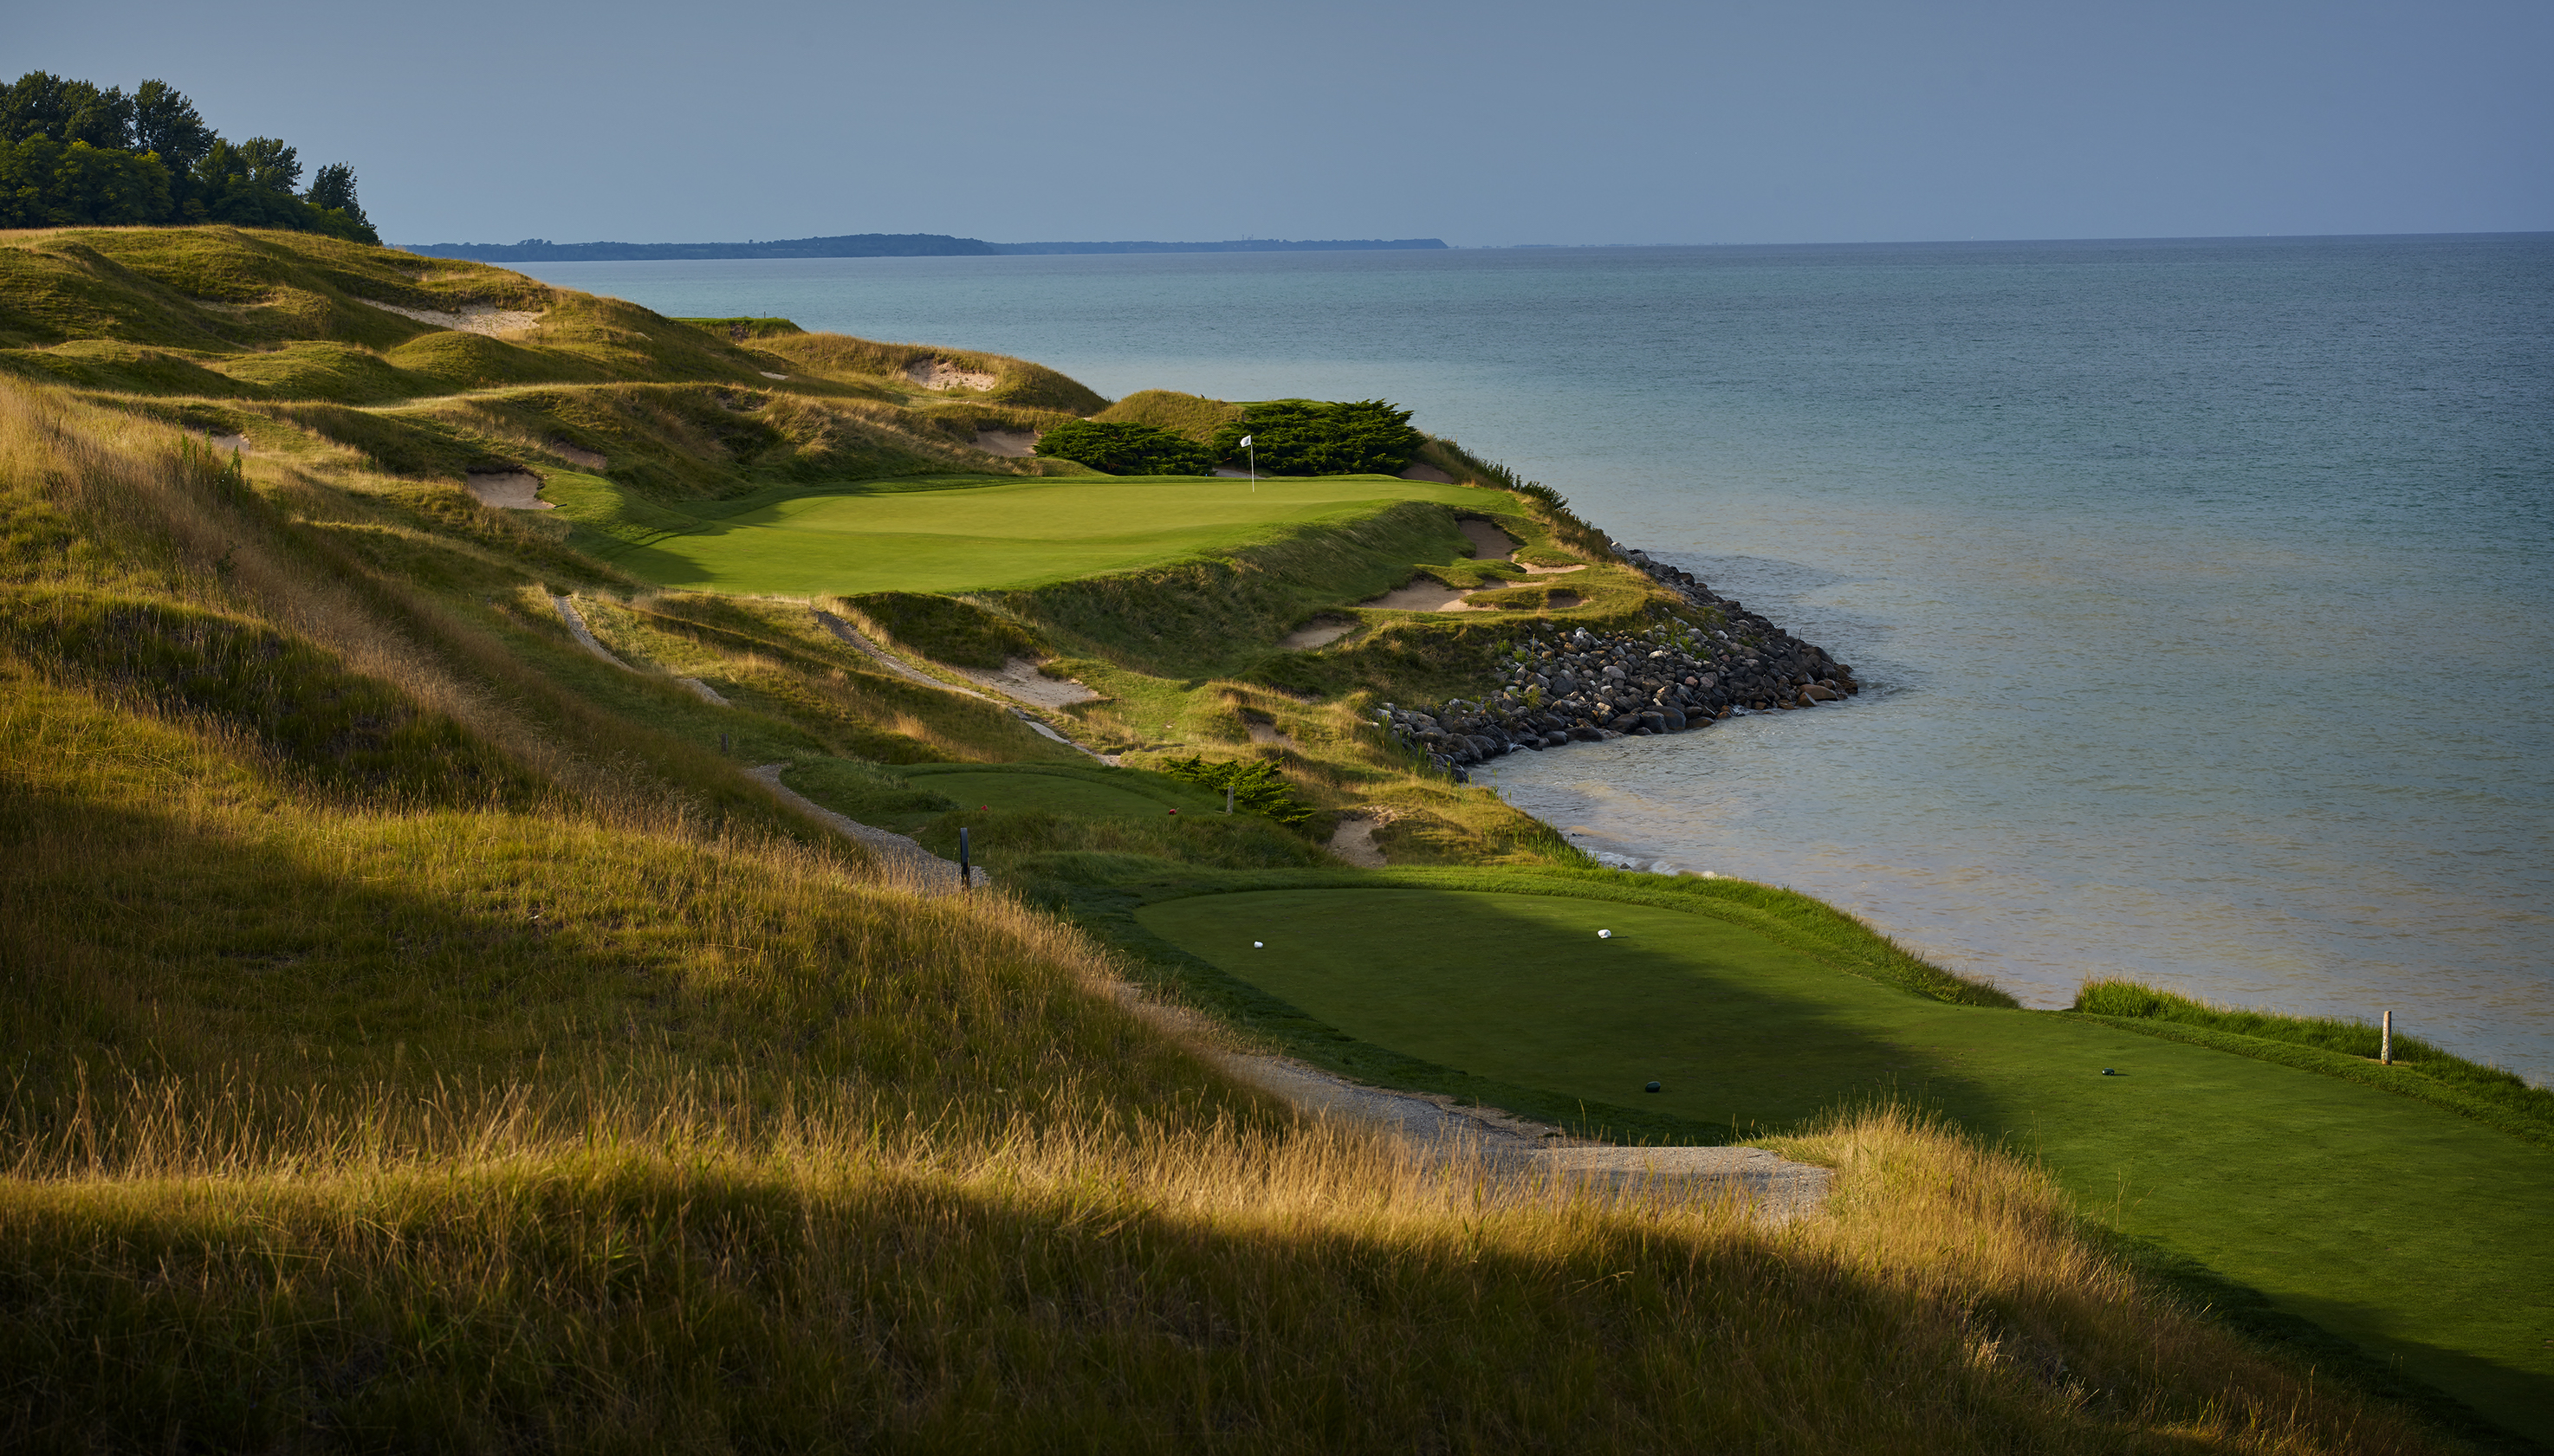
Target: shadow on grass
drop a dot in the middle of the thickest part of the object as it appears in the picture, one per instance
(1515, 1002)
(613, 1301)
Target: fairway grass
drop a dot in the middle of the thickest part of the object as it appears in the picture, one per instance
(1139, 795)
(960, 534)
(2419, 1235)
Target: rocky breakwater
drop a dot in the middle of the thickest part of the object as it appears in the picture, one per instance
(1584, 686)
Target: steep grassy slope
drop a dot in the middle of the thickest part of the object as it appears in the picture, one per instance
(423, 1033)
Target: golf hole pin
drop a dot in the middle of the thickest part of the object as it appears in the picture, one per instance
(1605, 934)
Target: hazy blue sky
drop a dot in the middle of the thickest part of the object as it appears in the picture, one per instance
(1487, 122)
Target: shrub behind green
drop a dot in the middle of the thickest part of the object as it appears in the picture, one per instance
(1256, 785)
(1125, 448)
(1307, 437)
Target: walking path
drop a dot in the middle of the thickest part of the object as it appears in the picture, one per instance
(855, 639)
(935, 874)
(852, 637)
(1521, 1158)
(584, 636)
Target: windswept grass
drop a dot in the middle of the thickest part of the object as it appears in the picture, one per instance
(1190, 416)
(663, 1276)
(417, 1032)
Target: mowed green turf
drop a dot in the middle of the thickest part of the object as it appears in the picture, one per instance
(2417, 1233)
(1016, 533)
(1052, 793)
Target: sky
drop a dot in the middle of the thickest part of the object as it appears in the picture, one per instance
(1484, 123)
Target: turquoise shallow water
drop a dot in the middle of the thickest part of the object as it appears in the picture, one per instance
(2202, 586)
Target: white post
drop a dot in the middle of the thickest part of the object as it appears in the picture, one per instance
(2385, 1046)
(1254, 468)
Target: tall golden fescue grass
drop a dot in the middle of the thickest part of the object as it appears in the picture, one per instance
(598, 1119)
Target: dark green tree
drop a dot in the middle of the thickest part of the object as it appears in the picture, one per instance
(45, 183)
(1126, 448)
(1308, 437)
(71, 153)
(165, 122)
(332, 189)
(41, 104)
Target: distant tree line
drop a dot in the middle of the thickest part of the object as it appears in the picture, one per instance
(73, 155)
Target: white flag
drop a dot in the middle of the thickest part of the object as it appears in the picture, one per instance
(1245, 442)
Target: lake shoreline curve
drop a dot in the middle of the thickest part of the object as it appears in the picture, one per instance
(1590, 686)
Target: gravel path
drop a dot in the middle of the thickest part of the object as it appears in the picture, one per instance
(1524, 1157)
(934, 874)
(1066, 692)
(852, 636)
(585, 635)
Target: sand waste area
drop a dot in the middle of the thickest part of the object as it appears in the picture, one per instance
(471, 318)
(940, 374)
(513, 490)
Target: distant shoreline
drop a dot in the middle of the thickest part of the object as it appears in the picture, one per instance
(880, 244)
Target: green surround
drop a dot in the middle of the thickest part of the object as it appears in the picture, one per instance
(2419, 1235)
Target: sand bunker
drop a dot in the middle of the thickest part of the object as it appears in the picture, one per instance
(576, 454)
(1021, 678)
(474, 318)
(1533, 570)
(1353, 841)
(512, 489)
(767, 373)
(1423, 594)
(1415, 471)
(1317, 633)
(225, 444)
(940, 374)
(708, 693)
(1015, 443)
(1489, 543)
(1263, 729)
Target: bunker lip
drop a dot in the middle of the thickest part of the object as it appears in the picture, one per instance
(1422, 594)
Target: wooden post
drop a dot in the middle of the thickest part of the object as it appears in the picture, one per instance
(1228, 798)
(965, 871)
(2385, 1046)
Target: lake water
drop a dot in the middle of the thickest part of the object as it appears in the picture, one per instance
(2201, 589)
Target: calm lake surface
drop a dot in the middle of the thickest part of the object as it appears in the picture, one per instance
(2202, 588)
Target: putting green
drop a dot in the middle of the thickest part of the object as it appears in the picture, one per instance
(1052, 793)
(2417, 1234)
(969, 535)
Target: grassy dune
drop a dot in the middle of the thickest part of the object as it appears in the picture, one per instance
(423, 1033)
